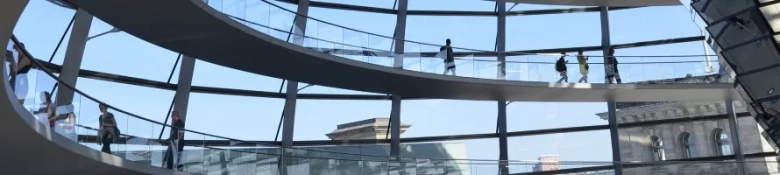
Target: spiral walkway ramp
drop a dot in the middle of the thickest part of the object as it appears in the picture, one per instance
(230, 43)
(37, 149)
(179, 25)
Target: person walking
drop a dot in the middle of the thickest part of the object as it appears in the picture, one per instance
(175, 146)
(612, 68)
(19, 71)
(583, 63)
(108, 130)
(46, 110)
(449, 60)
(560, 66)
(65, 122)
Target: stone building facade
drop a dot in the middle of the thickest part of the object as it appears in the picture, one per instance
(371, 159)
(688, 140)
(547, 163)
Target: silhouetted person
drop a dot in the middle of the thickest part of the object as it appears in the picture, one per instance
(449, 60)
(175, 141)
(20, 68)
(583, 64)
(65, 121)
(612, 67)
(9, 60)
(560, 66)
(108, 130)
(46, 110)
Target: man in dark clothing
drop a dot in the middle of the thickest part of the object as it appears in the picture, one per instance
(560, 66)
(175, 141)
(449, 60)
(612, 68)
(108, 130)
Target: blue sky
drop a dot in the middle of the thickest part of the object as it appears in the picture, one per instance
(252, 118)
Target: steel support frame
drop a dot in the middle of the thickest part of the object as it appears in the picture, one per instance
(611, 111)
(288, 123)
(756, 6)
(748, 96)
(503, 147)
(74, 56)
(501, 38)
(396, 163)
(735, 140)
(183, 86)
(400, 34)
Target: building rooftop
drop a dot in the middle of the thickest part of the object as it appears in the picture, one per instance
(375, 128)
(715, 78)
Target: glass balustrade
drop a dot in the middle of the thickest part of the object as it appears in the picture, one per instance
(142, 140)
(277, 21)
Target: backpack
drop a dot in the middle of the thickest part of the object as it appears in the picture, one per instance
(115, 133)
(560, 65)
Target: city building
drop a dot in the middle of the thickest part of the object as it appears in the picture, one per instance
(688, 139)
(375, 128)
(547, 163)
(419, 158)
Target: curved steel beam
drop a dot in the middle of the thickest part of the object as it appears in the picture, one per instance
(232, 44)
(84, 73)
(359, 8)
(223, 143)
(600, 3)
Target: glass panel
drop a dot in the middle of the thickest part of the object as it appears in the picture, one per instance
(713, 10)
(559, 151)
(529, 116)
(130, 97)
(449, 5)
(682, 130)
(359, 45)
(43, 23)
(454, 117)
(206, 116)
(132, 53)
(365, 120)
(387, 4)
(140, 138)
(710, 167)
(624, 26)
(553, 31)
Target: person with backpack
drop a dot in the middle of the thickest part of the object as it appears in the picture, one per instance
(560, 66)
(449, 58)
(583, 62)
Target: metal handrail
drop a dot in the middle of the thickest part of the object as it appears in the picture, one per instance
(60, 82)
(377, 35)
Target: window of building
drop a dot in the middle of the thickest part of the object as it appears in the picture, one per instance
(658, 149)
(722, 142)
(688, 145)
